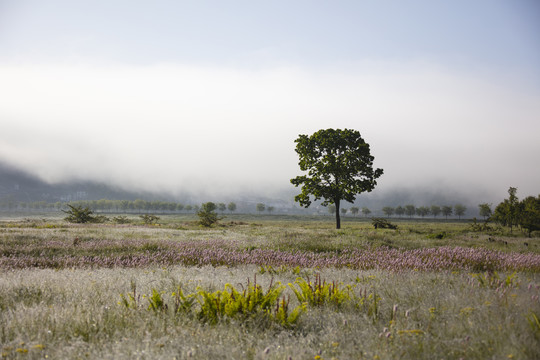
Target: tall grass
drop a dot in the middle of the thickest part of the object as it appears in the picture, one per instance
(363, 293)
(74, 313)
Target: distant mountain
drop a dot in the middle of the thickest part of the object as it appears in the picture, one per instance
(18, 185)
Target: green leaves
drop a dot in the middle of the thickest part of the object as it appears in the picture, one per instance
(82, 215)
(223, 305)
(339, 166)
(207, 214)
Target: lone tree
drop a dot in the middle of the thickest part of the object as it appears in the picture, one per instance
(339, 166)
(82, 215)
(207, 214)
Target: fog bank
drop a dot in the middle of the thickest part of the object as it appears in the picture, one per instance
(217, 131)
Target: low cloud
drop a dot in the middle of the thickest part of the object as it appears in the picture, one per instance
(215, 131)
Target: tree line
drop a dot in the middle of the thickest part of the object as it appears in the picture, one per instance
(407, 210)
(120, 206)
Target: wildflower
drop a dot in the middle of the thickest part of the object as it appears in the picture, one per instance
(394, 311)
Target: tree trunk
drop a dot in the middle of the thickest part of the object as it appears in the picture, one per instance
(338, 219)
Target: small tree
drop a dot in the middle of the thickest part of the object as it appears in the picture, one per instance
(207, 214)
(422, 211)
(339, 166)
(260, 207)
(354, 210)
(529, 218)
(81, 215)
(366, 211)
(332, 209)
(506, 213)
(446, 211)
(435, 210)
(221, 207)
(231, 207)
(269, 209)
(343, 211)
(459, 210)
(485, 210)
(410, 210)
(399, 211)
(388, 211)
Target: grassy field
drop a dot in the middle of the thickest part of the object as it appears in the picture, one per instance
(431, 289)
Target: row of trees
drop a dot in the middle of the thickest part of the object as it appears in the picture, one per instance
(407, 210)
(262, 207)
(123, 206)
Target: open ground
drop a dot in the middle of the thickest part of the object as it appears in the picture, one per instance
(430, 289)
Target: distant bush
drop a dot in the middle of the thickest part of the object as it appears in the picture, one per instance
(121, 219)
(80, 215)
(207, 214)
(379, 223)
(149, 218)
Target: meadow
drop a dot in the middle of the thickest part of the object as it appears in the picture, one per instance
(266, 287)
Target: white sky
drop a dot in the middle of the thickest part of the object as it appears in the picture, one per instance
(210, 95)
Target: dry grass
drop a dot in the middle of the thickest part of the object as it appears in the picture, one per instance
(74, 312)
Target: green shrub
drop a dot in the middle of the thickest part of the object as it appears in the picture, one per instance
(149, 218)
(207, 214)
(229, 303)
(122, 219)
(321, 293)
(82, 215)
(379, 223)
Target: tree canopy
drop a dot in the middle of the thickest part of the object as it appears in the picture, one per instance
(339, 166)
(207, 214)
(512, 212)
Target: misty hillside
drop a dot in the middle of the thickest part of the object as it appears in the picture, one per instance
(20, 186)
